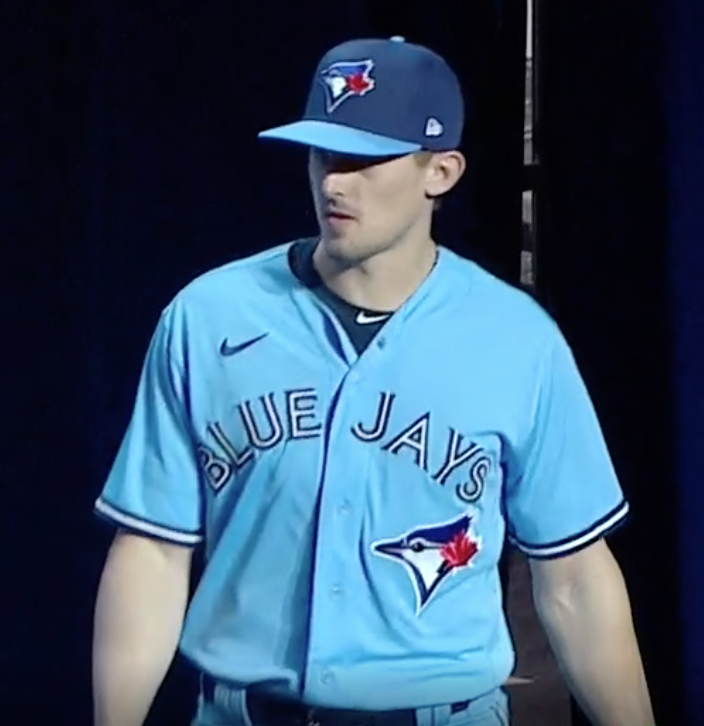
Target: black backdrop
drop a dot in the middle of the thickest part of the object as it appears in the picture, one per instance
(621, 263)
(129, 165)
(603, 222)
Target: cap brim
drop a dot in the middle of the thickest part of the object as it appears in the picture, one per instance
(340, 139)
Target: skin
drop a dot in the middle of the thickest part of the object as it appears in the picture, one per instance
(139, 612)
(375, 217)
(583, 605)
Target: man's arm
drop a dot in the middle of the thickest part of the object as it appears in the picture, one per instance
(139, 614)
(582, 602)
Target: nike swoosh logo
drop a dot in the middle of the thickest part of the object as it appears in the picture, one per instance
(227, 350)
(364, 319)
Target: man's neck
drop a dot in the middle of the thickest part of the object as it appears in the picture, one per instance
(383, 282)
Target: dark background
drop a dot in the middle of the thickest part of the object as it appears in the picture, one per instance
(130, 164)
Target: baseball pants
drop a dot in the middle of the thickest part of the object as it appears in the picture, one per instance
(228, 707)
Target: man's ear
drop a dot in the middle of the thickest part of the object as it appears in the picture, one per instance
(443, 172)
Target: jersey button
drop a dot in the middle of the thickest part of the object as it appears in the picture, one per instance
(336, 591)
(344, 508)
(326, 677)
(381, 343)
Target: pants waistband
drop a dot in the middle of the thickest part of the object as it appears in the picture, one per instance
(265, 710)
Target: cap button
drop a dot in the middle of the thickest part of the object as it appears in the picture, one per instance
(398, 39)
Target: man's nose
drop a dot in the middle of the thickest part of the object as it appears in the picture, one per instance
(334, 184)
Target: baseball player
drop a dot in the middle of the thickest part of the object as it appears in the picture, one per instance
(349, 426)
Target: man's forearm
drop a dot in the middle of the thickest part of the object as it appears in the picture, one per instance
(138, 619)
(591, 632)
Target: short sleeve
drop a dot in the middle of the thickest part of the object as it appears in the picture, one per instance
(562, 492)
(154, 486)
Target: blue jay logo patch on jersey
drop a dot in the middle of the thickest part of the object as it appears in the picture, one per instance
(345, 79)
(431, 554)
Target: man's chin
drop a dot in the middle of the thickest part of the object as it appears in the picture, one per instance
(341, 247)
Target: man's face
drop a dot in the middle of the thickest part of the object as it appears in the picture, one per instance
(367, 205)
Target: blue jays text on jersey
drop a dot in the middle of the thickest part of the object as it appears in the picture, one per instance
(373, 489)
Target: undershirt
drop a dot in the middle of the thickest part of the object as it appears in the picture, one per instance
(360, 324)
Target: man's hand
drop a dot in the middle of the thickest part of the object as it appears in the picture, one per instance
(582, 602)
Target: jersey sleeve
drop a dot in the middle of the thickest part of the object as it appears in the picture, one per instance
(153, 486)
(562, 492)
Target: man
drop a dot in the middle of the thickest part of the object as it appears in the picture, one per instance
(350, 425)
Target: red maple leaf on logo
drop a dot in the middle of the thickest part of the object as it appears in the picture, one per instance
(459, 550)
(358, 83)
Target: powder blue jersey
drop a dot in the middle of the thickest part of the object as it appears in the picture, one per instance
(353, 507)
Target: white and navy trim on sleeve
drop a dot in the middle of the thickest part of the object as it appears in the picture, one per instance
(146, 527)
(569, 545)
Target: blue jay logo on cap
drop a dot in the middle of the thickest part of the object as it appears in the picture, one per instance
(431, 554)
(345, 79)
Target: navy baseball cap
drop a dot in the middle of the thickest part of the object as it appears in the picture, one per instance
(375, 97)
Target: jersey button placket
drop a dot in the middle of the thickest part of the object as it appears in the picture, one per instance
(337, 535)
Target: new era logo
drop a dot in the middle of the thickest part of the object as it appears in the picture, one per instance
(433, 127)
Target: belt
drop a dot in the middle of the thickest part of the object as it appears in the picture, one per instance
(264, 710)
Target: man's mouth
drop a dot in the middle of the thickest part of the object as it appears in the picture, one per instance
(333, 214)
